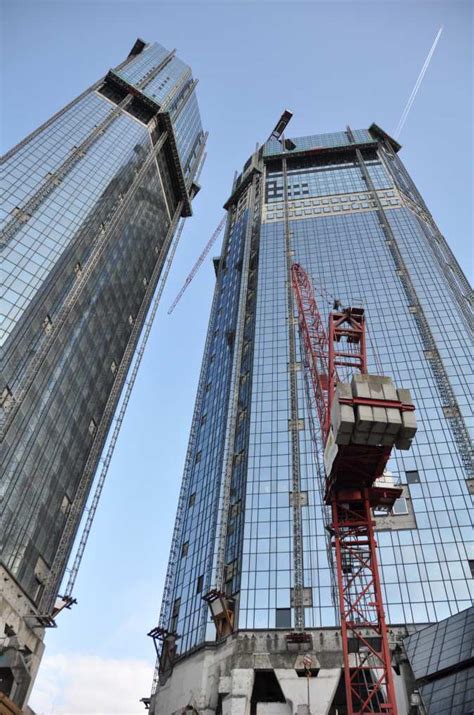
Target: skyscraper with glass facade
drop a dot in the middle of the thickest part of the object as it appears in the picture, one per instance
(355, 221)
(92, 202)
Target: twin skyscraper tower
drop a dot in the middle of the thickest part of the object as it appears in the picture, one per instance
(93, 202)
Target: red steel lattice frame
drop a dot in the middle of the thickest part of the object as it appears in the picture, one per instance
(315, 343)
(351, 495)
(367, 660)
(346, 329)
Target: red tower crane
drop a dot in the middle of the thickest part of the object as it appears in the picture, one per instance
(356, 449)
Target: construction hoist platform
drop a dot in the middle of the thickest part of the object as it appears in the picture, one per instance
(360, 423)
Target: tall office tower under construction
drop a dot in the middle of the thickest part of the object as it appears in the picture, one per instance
(252, 609)
(93, 199)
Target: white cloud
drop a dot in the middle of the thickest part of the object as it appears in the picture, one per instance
(71, 684)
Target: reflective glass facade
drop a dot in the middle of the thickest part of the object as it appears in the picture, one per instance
(361, 230)
(93, 198)
(441, 660)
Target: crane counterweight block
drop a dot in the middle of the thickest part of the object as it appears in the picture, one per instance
(354, 466)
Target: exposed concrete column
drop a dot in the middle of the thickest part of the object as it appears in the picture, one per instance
(401, 692)
(237, 701)
(321, 689)
(205, 698)
(19, 631)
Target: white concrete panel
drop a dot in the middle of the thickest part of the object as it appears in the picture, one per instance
(322, 689)
(273, 709)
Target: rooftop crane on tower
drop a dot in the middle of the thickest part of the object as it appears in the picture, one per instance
(277, 133)
(198, 263)
(360, 423)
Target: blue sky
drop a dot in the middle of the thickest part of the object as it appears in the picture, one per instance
(331, 63)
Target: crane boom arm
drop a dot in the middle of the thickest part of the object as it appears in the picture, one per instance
(281, 125)
(277, 133)
(198, 263)
(314, 342)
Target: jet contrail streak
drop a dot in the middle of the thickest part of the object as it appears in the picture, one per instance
(418, 82)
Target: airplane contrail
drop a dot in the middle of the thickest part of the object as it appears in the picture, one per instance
(418, 82)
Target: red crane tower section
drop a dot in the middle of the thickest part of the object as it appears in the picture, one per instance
(352, 492)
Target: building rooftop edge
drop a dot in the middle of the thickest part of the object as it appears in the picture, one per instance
(251, 164)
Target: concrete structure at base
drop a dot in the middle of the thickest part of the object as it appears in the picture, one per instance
(22, 644)
(263, 673)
